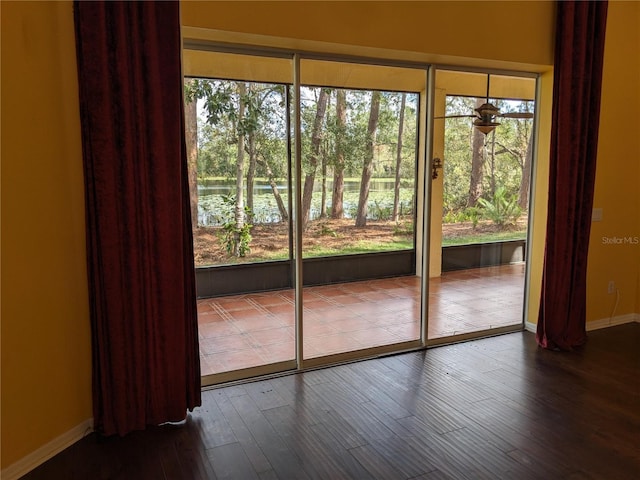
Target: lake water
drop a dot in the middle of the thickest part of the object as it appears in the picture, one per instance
(212, 210)
(224, 187)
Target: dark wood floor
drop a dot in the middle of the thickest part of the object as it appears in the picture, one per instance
(497, 408)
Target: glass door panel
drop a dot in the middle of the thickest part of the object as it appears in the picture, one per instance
(480, 202)
(360, 136)
(237, 127)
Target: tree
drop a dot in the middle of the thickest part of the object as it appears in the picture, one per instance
(477, 162)
(337, 205)
(284, 215)
(251, 131)
(258, 115)
(515, 144)
(523, 193)
(239, 213)
(191, 138)
(324, 154)
(316, 138)
(492, 162)
(396, 190)
(367, 168)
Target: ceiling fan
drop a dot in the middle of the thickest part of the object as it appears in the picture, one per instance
(487, 114)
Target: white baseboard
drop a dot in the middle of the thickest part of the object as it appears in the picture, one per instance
(597, 324)
(45, 452)
(613, 321)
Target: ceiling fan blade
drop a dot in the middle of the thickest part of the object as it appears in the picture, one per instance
(458, 116)
(516, 115)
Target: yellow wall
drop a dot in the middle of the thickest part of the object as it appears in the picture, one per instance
(46, 380)
(617, 189)
(46, 351)
(450, 29)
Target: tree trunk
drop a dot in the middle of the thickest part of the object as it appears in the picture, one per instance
(477, 163)
(191, 134)
(367, 168)
(251, 172)
(239, 210)
(523, 195)
(396, 191)
(316, 137)
(337, 204)
(284, 215)
(323, 199)
(493, 163)
(323, 169)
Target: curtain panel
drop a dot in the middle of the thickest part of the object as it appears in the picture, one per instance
(579, 51)
(146, 368)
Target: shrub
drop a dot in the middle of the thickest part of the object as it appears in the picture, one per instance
(473, 214)
(503, 209)
(237, 241)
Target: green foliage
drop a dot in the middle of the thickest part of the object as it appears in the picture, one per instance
(326, 230)
(363, 246)
(380, 211)
(473, 213)
(502, 236)
(236, 240)
(502, 209)
(505, 152)
(470, 214)
(403, 229)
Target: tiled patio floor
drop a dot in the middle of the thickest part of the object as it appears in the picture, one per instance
(249, 330)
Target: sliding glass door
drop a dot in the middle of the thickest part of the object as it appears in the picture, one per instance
(344, 189)
(483, 135)
(359, 178)
(323, 234)
(238, 139)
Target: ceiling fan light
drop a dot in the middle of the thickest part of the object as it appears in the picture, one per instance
(485, 127)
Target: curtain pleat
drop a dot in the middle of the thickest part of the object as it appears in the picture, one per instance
(146, 368)
(579, 51)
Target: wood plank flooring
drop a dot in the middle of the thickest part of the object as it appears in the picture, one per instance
(495, 408)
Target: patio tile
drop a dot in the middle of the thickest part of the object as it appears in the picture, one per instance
(270, 300)
(317, 303)
(254, 329)
(313, 329)
(209, 317)
(229, 343)
(232, 303)
(352, 324)
(253, 324)
(248, 313)
(206, 307)
(333, 314)
(281, 309)
(347, 299)
(278, 352)
(329, 291)
(270, 336)
(373, 336)
(220, 328)
(405, 331)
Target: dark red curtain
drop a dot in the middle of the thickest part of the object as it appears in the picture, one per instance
(146, 368)
(579, 48)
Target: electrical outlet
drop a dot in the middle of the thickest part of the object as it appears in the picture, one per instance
(596, 215)
(611, 288)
